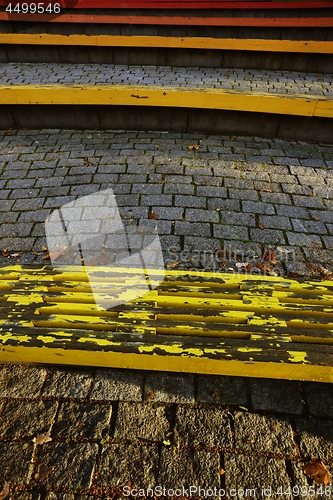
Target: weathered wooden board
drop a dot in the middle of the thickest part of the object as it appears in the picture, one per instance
(263, 45)
(197, 322)
(201, 98)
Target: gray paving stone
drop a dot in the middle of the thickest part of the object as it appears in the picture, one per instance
(117, 385)
(169, 388)
(275, 221)
(291, 211)
(198, 215)
(67, 384)
(307, 201)
(276, 396)
(189, 201)
(315, 438)
(192, 228)
(217, 204)
(263, 434)
(243, 194)
(230, 232)
(18, 381)
(221, 390)
(258, 207)
(271, 236)
(302, 239)
(255, 477)
(26, 419)
(15, 462)
(182, 469)
(239, 219)
(79, 421)
(142, 422)
(127, 466)
(205, 427)
(63, 465)
(308, 226)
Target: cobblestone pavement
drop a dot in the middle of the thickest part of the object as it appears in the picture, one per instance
(69, 433)
(278, 82)
(83, 433)
(223, 201)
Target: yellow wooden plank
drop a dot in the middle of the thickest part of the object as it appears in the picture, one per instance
(173, 363)
(266, 45)
(204, 98)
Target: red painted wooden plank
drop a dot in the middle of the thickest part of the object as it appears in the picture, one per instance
(186, 4)
(171, 21)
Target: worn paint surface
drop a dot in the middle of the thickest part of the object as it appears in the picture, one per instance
(200, 322)
(203, 98)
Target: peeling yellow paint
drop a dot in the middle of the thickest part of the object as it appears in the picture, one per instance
(297, 357)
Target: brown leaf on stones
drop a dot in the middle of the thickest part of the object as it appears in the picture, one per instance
(43, 472)
(267, 190)
(173, 264)
(264, 268)
(5, 491)
(152, 215)
(9, 132)
(149, 396)
(41, 439)
(194, 147)
(99, 261)
(261, 226)
(46, 256)
(317, 471)
(268, 255)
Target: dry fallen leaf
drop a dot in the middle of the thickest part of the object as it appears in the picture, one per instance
(318, 471)
(46, 256)
(194, 147)
(149, 396)
(264, 268)
(44, 249)
(261, 226)
(152, 215)
(41, 439)
(99, 261)
(267, 190)
(5, 491)
(268, 255)
(173, 264)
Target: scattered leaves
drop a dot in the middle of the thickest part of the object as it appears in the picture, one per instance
(5, 491)
(9, 132)
(46, 256)
(267, 190)
(5, 253)
(41, 439)
(152, 215)
(194, 147)
(317, 471)
(174, 263)
(261, 226)
(166, 442)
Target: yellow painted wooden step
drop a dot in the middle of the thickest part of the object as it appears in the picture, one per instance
(232, 324)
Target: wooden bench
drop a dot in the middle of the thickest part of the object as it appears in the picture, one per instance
(199, 322)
